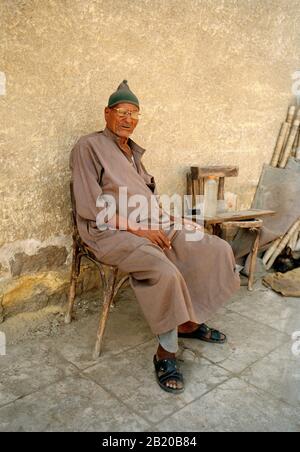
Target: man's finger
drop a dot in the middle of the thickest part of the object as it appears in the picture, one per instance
(165, 239)
(161, 243)
(154, 238)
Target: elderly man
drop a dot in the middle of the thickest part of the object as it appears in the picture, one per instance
(179, 284)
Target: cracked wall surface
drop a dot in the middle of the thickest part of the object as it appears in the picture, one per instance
(213, 78)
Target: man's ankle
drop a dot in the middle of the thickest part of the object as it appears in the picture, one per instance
(188, 327)
(164, 354)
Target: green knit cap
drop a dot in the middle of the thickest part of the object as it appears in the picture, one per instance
(123, 94)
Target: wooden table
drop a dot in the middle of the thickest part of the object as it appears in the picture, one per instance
(214, 223)
(247, 219)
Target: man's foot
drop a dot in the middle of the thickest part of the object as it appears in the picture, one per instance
(187, 327)
(203, 332)
(166, 368)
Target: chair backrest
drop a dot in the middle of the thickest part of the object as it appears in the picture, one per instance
(196, 179)
(77, 240)
(73, 203)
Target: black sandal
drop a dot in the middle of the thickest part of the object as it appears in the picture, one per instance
(166, 369)
(201, 333)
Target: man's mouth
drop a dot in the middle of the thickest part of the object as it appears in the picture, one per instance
(125, 127)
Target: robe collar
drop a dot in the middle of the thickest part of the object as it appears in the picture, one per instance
(134, 146)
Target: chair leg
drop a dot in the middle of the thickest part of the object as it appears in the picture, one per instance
(118, 287)
(253, 260)
(109, 291)
(74, 277)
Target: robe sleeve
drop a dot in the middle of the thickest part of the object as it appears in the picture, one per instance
(86, 175)
(150, 181)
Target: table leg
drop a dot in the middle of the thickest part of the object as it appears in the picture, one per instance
(253, 259)
(217, 230)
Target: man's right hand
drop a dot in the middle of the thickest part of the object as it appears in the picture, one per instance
(157, 237)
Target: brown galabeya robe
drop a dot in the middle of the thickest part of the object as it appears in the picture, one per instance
(187, 283)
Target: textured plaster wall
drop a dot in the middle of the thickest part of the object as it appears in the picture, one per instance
(213, 78)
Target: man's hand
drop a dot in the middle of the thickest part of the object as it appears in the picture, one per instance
(157, 237)
(189, 224)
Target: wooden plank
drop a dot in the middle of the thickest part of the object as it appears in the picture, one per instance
(243, 224)
(239, 215)
(215, 171)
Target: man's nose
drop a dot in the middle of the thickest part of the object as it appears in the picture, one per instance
(128, 119)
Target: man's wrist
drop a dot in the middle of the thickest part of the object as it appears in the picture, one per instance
(133, 227)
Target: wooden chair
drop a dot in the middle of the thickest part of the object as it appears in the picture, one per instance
(196, 179)
(108, 274)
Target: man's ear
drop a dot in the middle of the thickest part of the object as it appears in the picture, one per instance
(106, 112)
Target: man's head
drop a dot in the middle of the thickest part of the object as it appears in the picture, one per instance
(121, 114)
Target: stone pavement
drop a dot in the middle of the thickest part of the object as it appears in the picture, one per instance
(252, 383)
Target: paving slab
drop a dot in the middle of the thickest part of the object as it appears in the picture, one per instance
(131, 377)
(234, 406)
(278, 374)
(30, 366)
(248, 341)
(126, 328)
(74, 404)
(270, 308)
(6, 395)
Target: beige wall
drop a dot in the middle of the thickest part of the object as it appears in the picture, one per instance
(213, 78)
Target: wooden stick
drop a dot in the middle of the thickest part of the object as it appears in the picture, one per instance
(297, 153)
(293, 241)
(285, 127)
(298, 244)
(1, 309)
(291, 114)
(289, 144)
(295, 145)
(283, 243)
(269, 253)
(289, 119)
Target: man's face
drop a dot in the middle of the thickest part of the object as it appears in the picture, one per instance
(121, 126)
